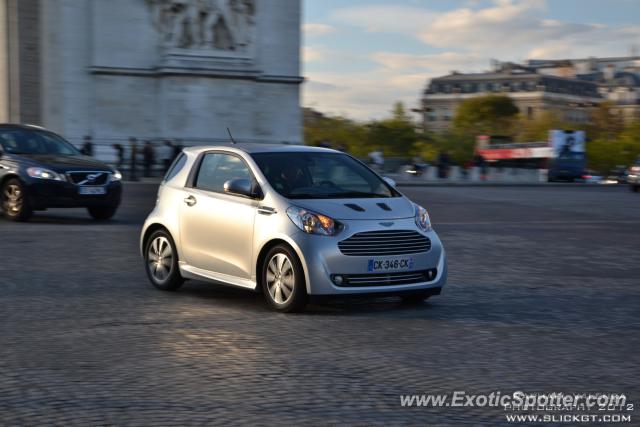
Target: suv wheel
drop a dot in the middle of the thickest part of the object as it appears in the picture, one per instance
(161, 262)
(102, 213)
(15, 202)
(283, 282)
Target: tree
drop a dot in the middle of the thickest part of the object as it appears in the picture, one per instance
(395, 136)
(485, 115)
(538, 127)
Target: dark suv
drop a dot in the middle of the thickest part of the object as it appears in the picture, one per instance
(40, 170)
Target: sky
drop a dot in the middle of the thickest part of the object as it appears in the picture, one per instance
(361, 56)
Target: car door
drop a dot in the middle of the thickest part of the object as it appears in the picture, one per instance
(216, 227)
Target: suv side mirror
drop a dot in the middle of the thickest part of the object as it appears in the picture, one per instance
(389, 181)
(240, 186)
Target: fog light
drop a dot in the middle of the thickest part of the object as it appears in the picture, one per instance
(338, 279)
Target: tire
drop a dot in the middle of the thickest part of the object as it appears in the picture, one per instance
(415, 298)
(634, 188)
(15, 201)
(283, 282)
(161, 261)
(102, 213)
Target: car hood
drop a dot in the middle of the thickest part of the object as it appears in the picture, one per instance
(362, 209)
(58, 163)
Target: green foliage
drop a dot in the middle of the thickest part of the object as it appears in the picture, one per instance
(485, 115)
(609, 141)
(538, 127)
(395, 136)
(606, 153)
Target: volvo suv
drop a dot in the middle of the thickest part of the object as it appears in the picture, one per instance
(291, 222)
(40, 170)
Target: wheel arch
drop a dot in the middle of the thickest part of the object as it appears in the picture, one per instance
(152, 228)
(263, 254)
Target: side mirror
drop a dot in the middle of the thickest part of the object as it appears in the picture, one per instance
(240, 186)
(389, 181)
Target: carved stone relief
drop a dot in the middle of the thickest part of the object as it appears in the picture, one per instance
(223, 25)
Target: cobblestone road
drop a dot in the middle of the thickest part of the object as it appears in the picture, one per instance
(544, 296)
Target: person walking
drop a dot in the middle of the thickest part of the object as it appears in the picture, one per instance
(149, 156)
(133, 144)
(166, 154)
(177, 148)
(119, 155)
(87, 146)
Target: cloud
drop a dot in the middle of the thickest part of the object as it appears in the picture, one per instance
(384, 18)
(312, 54)
(463, 39)
(506, 29)
(315, 29)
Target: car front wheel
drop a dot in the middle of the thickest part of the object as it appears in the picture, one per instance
(161, 262)
(15, 202)
(283, 282)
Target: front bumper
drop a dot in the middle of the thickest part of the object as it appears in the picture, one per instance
(323, 260)
(45, 194)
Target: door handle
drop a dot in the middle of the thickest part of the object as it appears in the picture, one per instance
(4, 167)
(190, 201)
(266, 210)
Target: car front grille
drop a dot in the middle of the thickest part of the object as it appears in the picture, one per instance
(89, 178)
(387, 242)
(386, 279)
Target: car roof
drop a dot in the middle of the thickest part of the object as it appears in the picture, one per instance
(260, 148)
(20, 126)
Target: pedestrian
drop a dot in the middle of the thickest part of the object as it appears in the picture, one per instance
(119, 155)
(377, 160)
(87, 146)
(149, 156)
(133, 144)
(177, 148)
(165, 152)
(443, 165)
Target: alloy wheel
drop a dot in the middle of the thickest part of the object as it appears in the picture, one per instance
(160, 259)
(280, 278)
(13, 199)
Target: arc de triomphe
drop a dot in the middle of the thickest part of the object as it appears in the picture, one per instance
(183, 69)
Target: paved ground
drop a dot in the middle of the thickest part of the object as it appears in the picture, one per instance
(544, 296)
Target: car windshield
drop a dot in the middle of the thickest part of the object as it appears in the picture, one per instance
(21, 141)
(312, 175)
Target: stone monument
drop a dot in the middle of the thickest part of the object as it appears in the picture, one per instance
(159, 69)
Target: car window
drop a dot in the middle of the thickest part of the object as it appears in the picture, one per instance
(21, 141)
(176, 167)
(320, 175)
(218, 168)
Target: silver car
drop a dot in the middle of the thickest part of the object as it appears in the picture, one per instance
(293, 222)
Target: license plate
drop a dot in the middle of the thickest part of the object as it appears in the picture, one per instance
(92, 191)
(390, 264)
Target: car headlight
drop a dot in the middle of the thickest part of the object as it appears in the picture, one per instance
(312, 222)
(422, 218)
(117, 176)
(42, 173)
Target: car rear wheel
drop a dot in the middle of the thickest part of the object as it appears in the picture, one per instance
(15, 202)
(161, 262)
(283, 282)
(102, 213)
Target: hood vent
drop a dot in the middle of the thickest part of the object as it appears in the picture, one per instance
(354, 207)
(384, 206)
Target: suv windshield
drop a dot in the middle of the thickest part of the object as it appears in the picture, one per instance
(21, 141)
(308, 175)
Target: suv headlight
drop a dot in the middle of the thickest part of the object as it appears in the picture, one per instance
(312, 222)
(116, 176)
(422, 218)
(42, 173)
